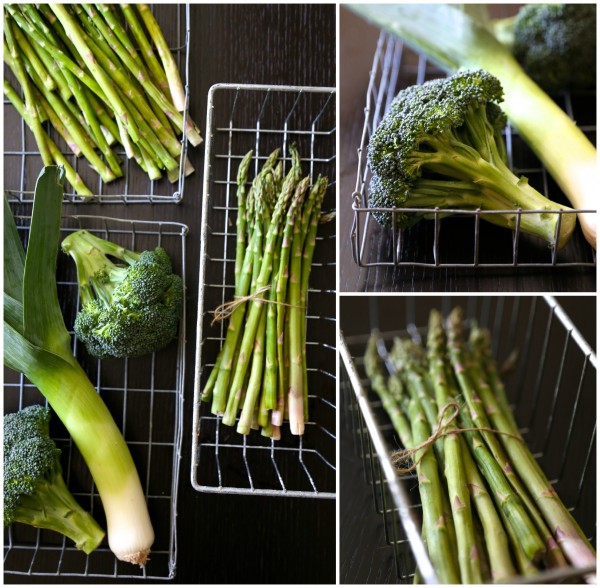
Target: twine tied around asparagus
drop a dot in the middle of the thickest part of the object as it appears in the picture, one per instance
(225, 310)
(404, 459)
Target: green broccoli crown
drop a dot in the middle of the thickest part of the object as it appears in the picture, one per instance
(35, 492)
(127, 311)
(424, 126)
(556, 44)
(418, 114)
(30, 457)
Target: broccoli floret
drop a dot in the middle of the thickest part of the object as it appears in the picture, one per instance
(556, 44)
(127, 309)
(440, 146)
(35, 492)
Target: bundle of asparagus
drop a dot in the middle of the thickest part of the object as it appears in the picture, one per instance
(489, 512)
(261, 368)
(99, 83)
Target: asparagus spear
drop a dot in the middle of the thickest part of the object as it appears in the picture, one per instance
(170, 67)
(256, 305)
(30, 106)
(103, 81)
(567, 532)
(221, 385)
(72, 176)
(296, 387)
(454, 470)
(145, 47)
(412, 432)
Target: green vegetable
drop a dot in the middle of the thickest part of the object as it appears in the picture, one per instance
(556, 45)
(456, 41)
(487, 468)
(38, 345)
(276, 228)
(438, 147)
(127, 309)
(81, 60)
(35, 492)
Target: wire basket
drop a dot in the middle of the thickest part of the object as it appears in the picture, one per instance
(144, 395)
(552, 389)
(22, 161)
(262, 118)
(462, 240)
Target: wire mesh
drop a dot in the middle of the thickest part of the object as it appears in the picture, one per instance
(144, 395)
(262, 118)
(22, 161)
(460, 240)
(552, 389)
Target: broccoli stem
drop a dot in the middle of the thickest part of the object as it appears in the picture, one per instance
(96, 273)
(502, 190)
(53, 507)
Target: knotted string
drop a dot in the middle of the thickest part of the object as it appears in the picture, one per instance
(225, 310)
(404, 459)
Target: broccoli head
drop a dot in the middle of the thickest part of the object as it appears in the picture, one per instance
(440, 146)
(556, 44)
(130, 308)
(35, 492)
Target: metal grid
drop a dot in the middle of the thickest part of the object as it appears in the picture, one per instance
(240, 118)
(552, 390)
(461, 240)
(22, 161)
(145, 396)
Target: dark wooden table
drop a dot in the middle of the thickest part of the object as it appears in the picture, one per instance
(358, 41)
(232, 539)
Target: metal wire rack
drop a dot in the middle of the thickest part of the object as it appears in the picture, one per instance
(460, 240)
(552, 389)
(145, 396)
(240, 118)
(22, 161)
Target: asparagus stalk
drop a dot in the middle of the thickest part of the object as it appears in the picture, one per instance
(30, 106)
(313, 213)
(256, 305)
(221, 385)
(242, 178)
(506, 498)
(430, 489)
(567, 532)
(413, 432)
(296, 391)
(158, 109)
(468, 556)
(34, 59)
(481, 347)
(169, 65)
(72, 177)
(76, 35)
(74, 128)
(145, 47)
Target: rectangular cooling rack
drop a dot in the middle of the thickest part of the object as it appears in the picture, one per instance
(262, 118)
(22, 160)
(552, 389)
(145, 396)
(460, 241)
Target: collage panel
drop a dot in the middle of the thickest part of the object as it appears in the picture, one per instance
(170, 293)
(242, 347)
(467, 439)
(459, 173)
